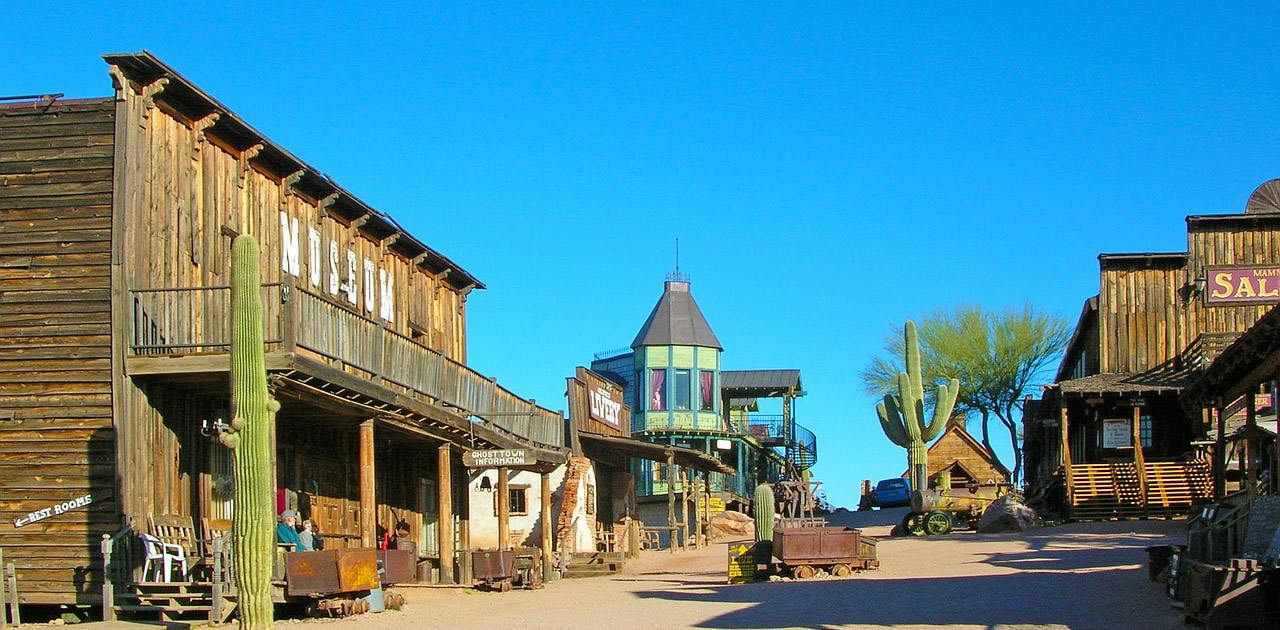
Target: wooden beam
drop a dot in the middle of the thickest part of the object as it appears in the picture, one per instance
(671, 498)
(368, 505)
(684, 507)
(1066, 451)
(1250, 450)
(545, 516)
(290, 181)
(1220, 453)
(444, 509)
(1139, 461)
(504, 509)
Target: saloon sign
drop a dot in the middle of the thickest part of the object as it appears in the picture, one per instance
(1242, 284)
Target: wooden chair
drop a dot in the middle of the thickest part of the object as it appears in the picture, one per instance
(214, 528)
(177, 530)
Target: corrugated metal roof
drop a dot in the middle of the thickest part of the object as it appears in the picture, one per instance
(746, 383)
(676, 321)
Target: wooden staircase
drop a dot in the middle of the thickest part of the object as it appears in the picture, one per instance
(1103, 491)
(594, 564)
(175, 601)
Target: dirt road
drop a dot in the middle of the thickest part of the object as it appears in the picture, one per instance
(1074, 576)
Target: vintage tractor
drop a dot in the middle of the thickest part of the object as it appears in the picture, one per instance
(936, 512)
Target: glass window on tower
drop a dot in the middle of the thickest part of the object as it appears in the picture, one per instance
(707, 400)
(657, 393)
(683, 390)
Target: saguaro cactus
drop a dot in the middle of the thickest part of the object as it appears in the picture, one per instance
(902, 416)
(252, 423)
(763, 510)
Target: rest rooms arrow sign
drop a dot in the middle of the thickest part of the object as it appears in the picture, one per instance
(497, 458)
(54, 510)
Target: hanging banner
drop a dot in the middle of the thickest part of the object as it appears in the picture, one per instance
(501, 458)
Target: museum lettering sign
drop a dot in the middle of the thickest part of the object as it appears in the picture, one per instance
(1227, 285)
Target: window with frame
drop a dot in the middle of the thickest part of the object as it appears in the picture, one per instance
(517, 500)
(657, 391)
(683, 390)
(706, 398)
(1145, 430)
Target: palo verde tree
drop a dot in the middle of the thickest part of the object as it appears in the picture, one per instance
(997, 355)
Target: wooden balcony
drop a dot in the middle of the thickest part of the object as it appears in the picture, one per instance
(187, 329)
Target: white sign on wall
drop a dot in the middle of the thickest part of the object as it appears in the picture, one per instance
(378, 292)
(1117, 433)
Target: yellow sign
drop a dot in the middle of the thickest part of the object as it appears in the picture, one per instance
(742, 563)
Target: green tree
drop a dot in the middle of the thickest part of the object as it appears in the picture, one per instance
(997, 357)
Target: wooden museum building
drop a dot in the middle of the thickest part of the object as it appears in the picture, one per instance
(1129, 427)
(116, 218)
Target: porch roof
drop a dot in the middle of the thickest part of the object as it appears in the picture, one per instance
(1120, 383)
(658, 452)
(1251, 359)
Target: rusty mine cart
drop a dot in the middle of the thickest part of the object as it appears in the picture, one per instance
(837, 550)
(936, 512)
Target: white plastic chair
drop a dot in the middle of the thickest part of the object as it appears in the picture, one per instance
(161, 557)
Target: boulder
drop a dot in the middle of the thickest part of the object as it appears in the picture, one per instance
(1007, 514)
(731, 524)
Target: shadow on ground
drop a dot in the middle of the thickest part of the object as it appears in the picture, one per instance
(1040, 587)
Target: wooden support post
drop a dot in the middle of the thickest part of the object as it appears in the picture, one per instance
(1220, 454)
(706, 502)
(108, 587)
(11, 580)
(1066, 454)
(444, 512)
(4, 614)
(545, 509)
(1139, 462)
(633, 538)
(684, 507)
(368, 504)
(216, 600)
(1250, 447)
(504, 509)
(671, 499)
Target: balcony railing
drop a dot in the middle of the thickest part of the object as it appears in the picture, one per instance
(1204, 349)
(195, 320)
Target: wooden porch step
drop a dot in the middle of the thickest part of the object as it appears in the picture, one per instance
(161, 609)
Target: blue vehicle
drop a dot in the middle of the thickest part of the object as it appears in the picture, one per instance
(892, 493)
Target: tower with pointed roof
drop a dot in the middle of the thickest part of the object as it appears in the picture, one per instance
(677, 359)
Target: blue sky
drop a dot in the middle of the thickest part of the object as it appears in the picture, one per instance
(829, 169)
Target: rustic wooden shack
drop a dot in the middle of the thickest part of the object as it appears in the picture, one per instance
(963, 457)
(1158, 320)
(116, 217)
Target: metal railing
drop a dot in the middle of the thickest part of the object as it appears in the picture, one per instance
(195, 320)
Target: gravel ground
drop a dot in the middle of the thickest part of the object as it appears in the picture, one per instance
(1083, 575)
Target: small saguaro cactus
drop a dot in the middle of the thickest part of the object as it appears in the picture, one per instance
(763, 510)
(902, 416)
(252, 423)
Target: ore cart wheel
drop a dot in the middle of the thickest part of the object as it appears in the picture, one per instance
(938, 523)
(841, 570)
(802, 572)
(913, 524)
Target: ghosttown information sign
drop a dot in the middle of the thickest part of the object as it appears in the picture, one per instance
(54, 510)
(500, 458)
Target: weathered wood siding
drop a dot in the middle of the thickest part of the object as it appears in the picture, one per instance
(56, 433)
(1140, 315)
(1247, 240)
(952, 448)
(184, 190)
(1147, 312)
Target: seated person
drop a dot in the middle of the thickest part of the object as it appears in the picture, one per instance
(286, 531)
(307, 537)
